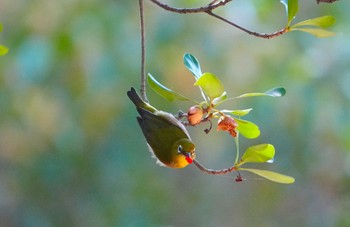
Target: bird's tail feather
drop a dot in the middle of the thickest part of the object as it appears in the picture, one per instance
(136, 99)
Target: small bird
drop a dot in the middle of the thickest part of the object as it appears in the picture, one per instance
(166, 136)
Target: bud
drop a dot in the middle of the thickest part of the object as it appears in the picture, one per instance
(194, 115)
(227, 123)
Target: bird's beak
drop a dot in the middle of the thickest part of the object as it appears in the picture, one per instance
(188, 157)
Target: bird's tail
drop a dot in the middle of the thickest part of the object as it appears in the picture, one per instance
(136, 99)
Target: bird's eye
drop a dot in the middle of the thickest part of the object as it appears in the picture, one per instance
(179, 149)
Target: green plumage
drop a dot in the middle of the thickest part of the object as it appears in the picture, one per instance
(164, 134)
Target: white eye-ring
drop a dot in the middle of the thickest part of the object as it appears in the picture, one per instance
(179, 149)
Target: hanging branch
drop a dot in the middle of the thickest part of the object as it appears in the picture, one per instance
(209, 10)
(143, 53)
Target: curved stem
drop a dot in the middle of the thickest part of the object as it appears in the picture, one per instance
(213, 171)
(143, 53)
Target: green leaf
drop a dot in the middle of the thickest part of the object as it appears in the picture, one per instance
(270, 175)
(314, 26)
(220, 99)
(193, 65)
(275, 92)
(211, 85)
(291, 9)
(323, 22)
(258, 153)
(164, 91)
(318, 32)
(239, 113)
(247, 128)
(3, 50)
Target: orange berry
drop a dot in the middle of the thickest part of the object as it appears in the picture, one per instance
(195, 115)
(227, 123)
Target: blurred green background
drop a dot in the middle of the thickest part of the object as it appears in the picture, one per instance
(72, 154)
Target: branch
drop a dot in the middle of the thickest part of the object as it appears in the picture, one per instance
(143, 53)
(213, 171)
(325, 1)
(213, 5)
(209, 10)
(257, 34)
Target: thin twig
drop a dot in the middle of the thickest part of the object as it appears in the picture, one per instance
(257, 34)
(209, 10)
(213, 171)
(143, 53)
(213, 5)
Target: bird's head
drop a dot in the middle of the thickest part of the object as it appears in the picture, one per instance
(184, 152)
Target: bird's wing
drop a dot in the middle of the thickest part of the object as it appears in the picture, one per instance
(161, 130)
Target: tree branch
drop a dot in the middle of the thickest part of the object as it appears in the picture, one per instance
(257, 34)
(213, 171)
(213, 5)
(143, 53)
(209, 10)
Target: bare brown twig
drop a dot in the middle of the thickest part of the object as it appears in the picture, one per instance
(325, 1)
(213, 5)
(213, 171)
(143, 53)
(257, 34)
(209, 10)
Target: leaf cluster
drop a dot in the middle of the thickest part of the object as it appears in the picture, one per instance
(214, 94)
(315, 26)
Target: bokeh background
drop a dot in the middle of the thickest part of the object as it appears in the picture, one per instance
(72, 154)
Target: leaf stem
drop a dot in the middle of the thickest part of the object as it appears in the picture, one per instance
(204, 97)
(237, 148)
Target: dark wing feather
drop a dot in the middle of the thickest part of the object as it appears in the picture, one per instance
(161, 131)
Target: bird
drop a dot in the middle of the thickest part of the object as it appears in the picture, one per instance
(167, 138)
